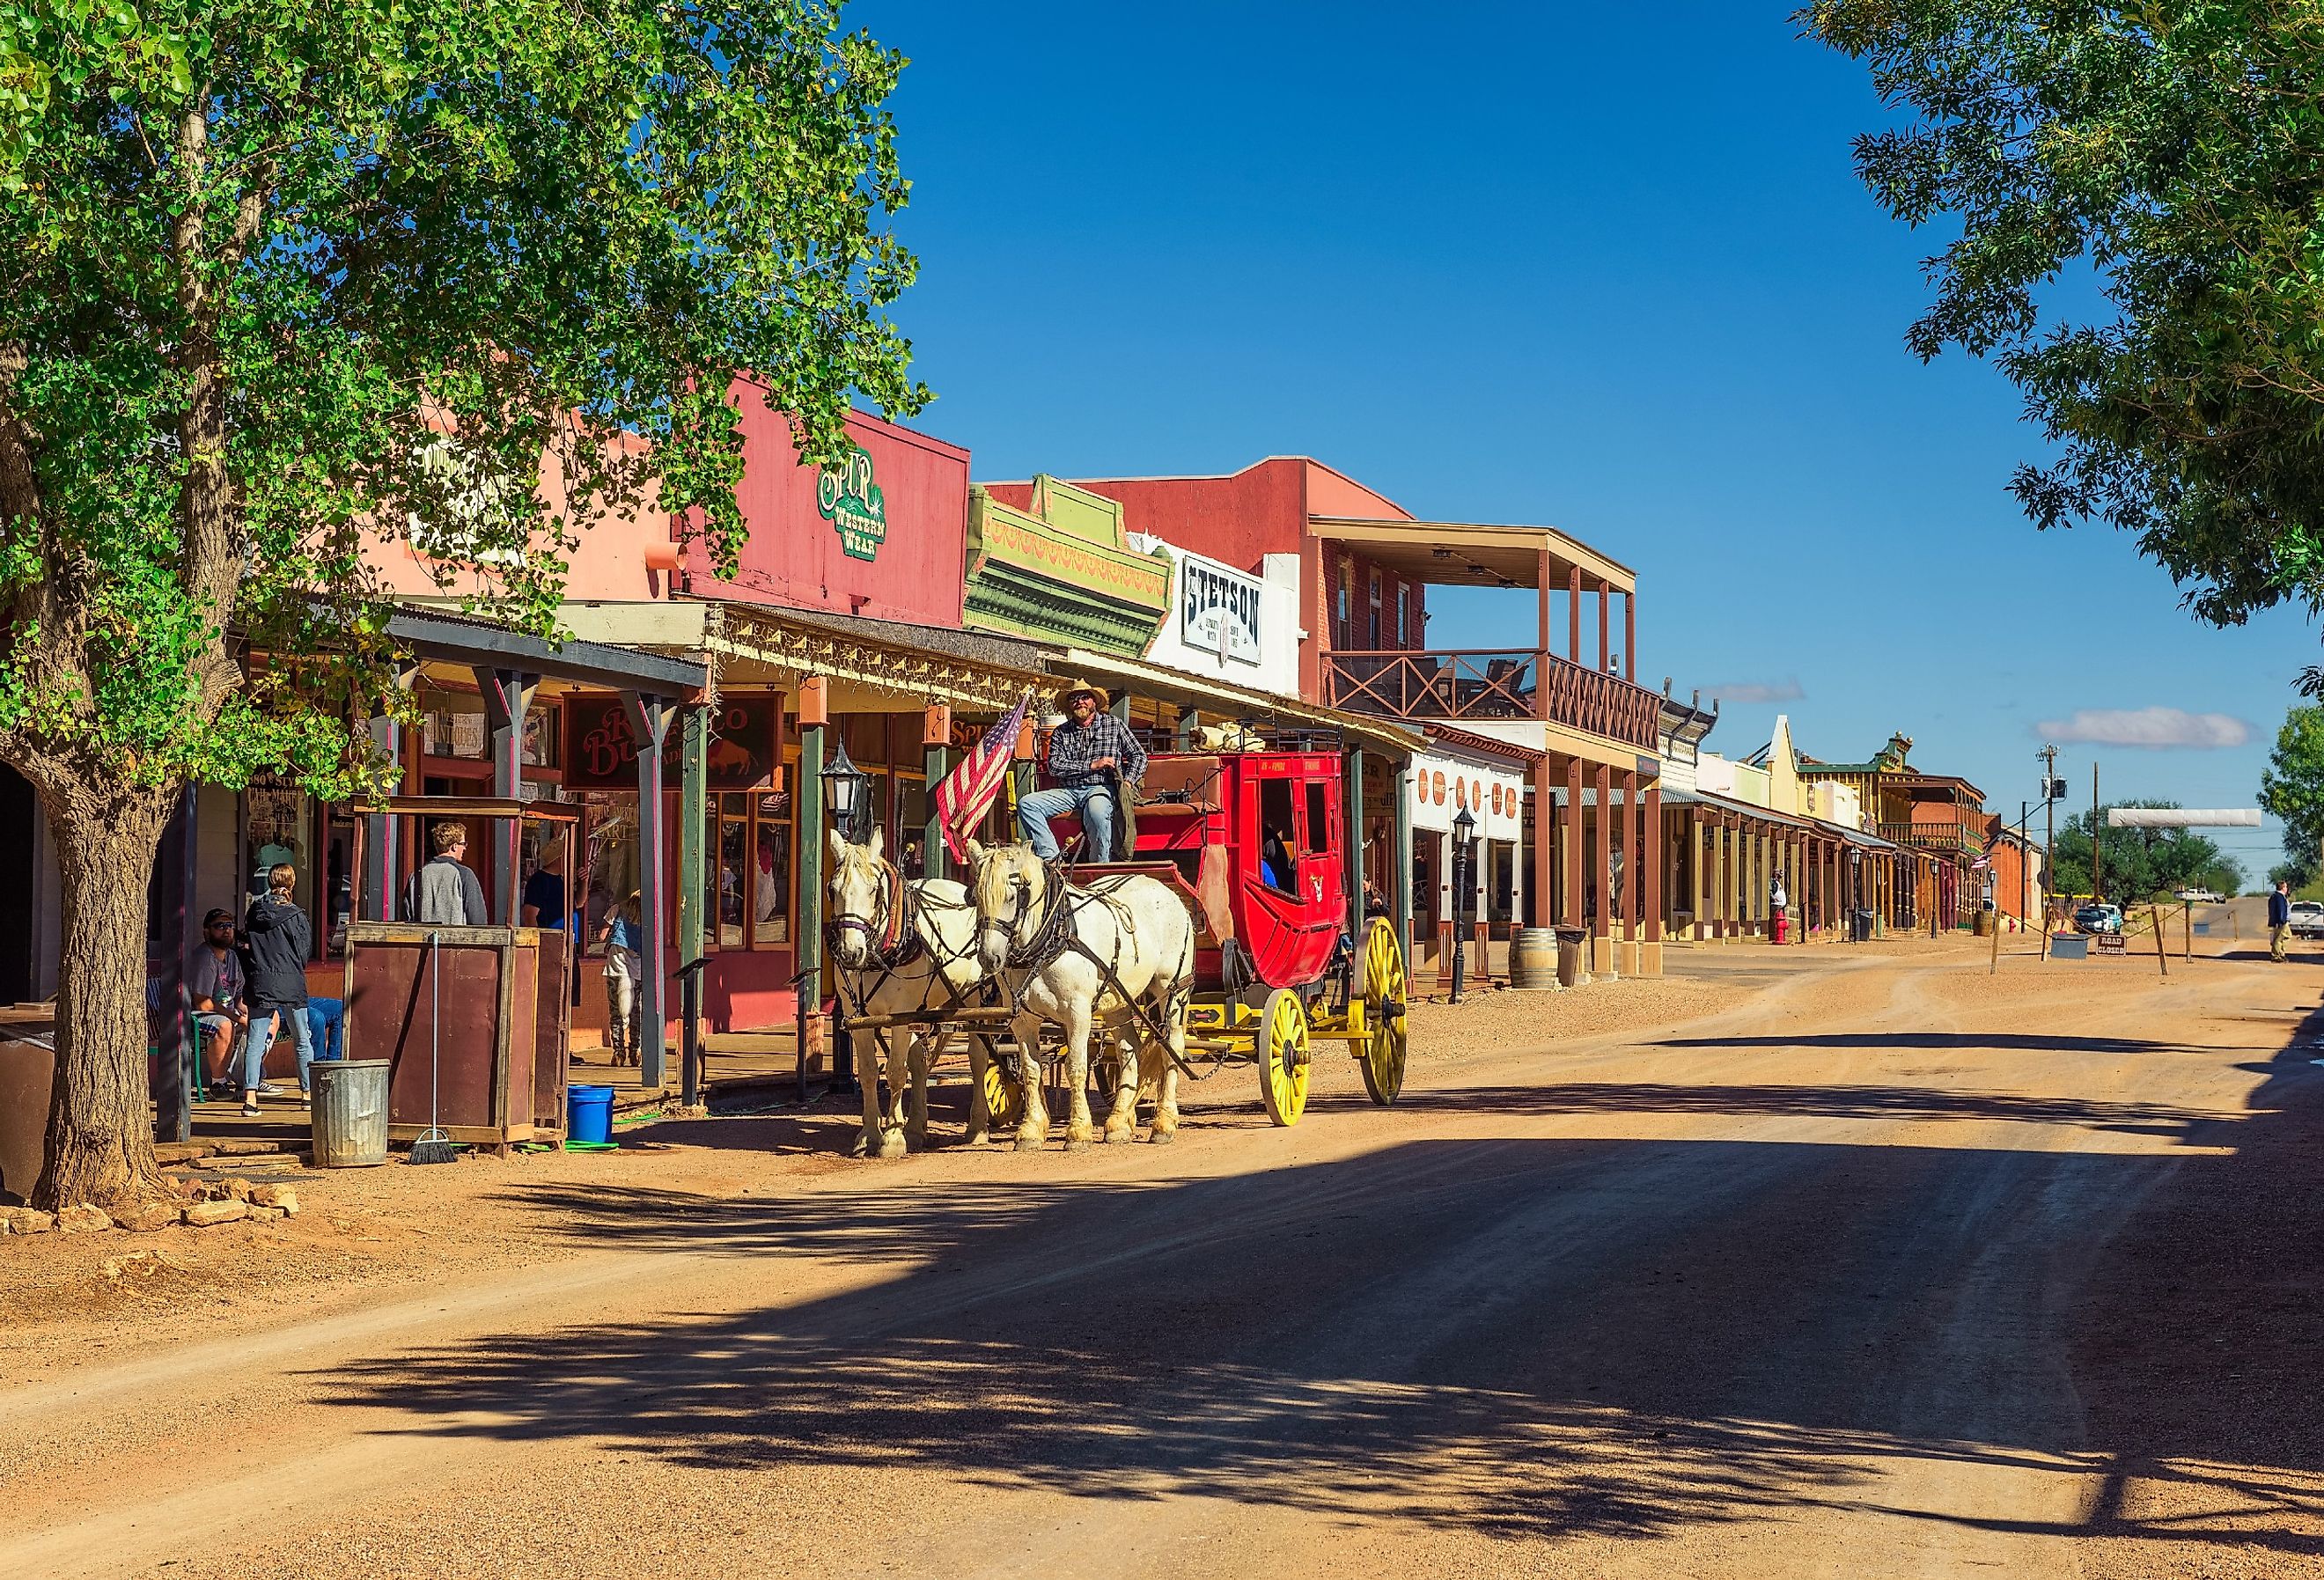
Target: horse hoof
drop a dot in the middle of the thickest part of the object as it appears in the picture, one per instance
(1162, 1138)
(1077, 1143)
(1028, 1144)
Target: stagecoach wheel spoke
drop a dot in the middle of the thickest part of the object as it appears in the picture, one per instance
(1383, 1056)
(1282, 1048)
(1003, 1098)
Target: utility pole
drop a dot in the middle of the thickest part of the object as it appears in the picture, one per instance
(2049, 834)
(2098, 856)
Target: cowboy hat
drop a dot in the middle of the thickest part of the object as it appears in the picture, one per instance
(1079, 688)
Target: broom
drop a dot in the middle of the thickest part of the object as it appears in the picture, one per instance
(435, 1144)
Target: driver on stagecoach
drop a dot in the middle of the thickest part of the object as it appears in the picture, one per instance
(1089, 754)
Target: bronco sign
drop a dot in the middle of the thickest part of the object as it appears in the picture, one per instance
(847, 496)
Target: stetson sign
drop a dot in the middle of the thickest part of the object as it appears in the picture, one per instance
(1218, 609)
(847, 496)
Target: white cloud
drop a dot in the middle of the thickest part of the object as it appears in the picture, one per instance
(2159, 728)
(1751, 691)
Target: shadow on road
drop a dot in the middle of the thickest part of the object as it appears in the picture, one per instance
(1984, 1041)
(1515, 1338)
(2193, 1126)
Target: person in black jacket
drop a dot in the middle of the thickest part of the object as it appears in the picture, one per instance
(279, 942)
(2279, 920)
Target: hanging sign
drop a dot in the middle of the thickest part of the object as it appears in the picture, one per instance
(599, 752)
(1218, 609)
(847, 496)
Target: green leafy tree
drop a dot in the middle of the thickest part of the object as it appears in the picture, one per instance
(2138, 864)
(277, 280)
(2172, 151)
(2291, 787)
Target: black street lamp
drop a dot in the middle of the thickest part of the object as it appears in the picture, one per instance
(1465, 856)
(843, 790)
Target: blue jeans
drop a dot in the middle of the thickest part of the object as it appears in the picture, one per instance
(263, 1032)
(1094, 802)
(326, 1020)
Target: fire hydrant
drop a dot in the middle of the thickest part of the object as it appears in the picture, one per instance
(1782, 934)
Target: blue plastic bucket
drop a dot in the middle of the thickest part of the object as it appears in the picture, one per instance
(589, 1113)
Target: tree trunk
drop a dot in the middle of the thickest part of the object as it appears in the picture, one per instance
(100, 1142)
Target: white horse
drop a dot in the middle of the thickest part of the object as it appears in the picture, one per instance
(1053, 945)
(899, 947)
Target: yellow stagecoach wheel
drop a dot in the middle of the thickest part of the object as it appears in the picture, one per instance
(1282, 1049)
(1383, 1056)
(1002, 1100)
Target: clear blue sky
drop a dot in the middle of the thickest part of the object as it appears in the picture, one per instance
(1606, 268)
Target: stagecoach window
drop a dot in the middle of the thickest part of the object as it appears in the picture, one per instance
(1319, 819)
(1276, 808)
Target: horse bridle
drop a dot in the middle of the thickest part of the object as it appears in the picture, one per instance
(891, 938)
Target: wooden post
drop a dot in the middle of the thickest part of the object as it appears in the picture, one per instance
(1402, 873)
(813, 718)
(650, 718)
(692, 836)
(1573, 896)
(1573, 614)
(1352, 818)
(1651, 823)
(1630, 635)
(1541, 705)
(382, 873)
(1634, 877)
(1603, 866)
(506, 693)
(935, 735)
(2154, 920)
(1605, 626)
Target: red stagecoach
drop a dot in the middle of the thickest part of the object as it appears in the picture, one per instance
(1255, 842)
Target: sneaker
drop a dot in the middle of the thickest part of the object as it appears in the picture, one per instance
(250, 1109)
(269, 1089)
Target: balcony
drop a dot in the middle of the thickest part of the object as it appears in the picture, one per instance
(1939, 838)
(1474, 684)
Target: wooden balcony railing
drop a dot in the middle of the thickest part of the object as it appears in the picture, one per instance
(1492, 683)
(1950, 838)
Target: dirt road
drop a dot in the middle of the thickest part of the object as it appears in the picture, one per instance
(1888, 1268)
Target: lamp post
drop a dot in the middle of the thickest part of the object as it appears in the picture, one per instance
(1464, 839)
(842, 787)
(842, 792)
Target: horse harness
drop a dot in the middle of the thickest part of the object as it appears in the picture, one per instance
(894, 940)
(1053, 939)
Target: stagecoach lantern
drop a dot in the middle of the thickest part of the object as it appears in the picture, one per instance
(842, 789)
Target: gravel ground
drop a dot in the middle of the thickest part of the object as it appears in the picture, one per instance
(1831, 1261)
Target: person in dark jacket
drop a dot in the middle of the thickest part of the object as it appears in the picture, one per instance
(279, 943)
(2279, 920)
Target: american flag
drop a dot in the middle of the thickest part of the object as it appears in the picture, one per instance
(1985, 858)
(967, 791)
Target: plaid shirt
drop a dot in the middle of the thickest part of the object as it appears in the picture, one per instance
(1074, 747)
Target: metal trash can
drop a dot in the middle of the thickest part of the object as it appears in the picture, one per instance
(1859, 924)
(350, 1115)
(1570, 943)
(1533, 959)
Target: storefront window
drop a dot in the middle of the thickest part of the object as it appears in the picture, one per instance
(770, 909)
(750, 877)
(609, 870)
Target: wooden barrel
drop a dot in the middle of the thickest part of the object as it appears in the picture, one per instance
(1533, 958)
